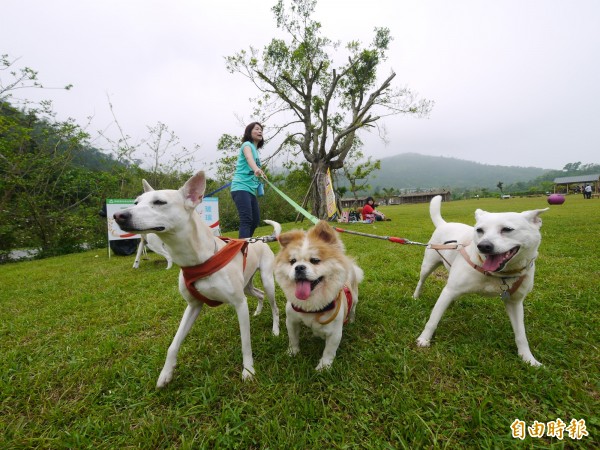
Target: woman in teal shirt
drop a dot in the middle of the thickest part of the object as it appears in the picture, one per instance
(246, 180)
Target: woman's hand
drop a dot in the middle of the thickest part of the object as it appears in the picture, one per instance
(259, 173)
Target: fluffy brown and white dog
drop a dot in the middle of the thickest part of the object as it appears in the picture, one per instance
(320, 283)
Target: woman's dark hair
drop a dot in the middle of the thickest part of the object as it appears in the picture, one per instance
(368, 200)
(248, 134)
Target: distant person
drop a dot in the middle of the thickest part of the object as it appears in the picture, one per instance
(588, 191)
(369, 213)
(246, 184)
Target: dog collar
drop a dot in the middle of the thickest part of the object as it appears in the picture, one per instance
(328, 307)
(453, 245)
(336, 303)
(506, 290)
(478, 268)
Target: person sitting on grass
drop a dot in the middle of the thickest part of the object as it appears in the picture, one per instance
(369, 213)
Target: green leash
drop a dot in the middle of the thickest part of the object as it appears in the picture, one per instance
(296, 206)
(314, 220)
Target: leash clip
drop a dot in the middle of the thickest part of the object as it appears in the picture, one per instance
(264, 239)
(505, 294)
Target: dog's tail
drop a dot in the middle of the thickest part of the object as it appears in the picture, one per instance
(276, 226)
(435, 211)
(359, 273)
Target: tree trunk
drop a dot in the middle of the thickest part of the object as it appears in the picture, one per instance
(319, 198)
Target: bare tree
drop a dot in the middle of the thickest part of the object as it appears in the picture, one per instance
(19, 79)
(165, 155)
(160, 150)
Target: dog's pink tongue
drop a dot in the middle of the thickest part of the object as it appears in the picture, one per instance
(492, 262)
(302, 290)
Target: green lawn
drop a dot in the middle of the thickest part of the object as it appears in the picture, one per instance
(83, 338)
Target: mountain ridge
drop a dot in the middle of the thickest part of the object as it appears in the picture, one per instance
(416, 171)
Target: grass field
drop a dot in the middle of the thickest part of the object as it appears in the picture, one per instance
(83, 338)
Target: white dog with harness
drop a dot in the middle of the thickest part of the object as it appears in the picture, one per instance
(214, 271)
(495, 258)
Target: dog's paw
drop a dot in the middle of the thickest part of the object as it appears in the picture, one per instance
(423, 342)
(275, 330)
(324, 365)
(248, 374)
(293, 351)
(164, 378)
(531, 361)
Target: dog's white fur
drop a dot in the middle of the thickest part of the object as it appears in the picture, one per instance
(172, 215)
(153, 242)
(494, 233)
(310, 256)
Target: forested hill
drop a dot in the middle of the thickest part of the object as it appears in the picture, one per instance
(54, 135)
(412, 170)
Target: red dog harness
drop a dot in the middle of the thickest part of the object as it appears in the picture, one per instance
(213, 264)
(334, 304)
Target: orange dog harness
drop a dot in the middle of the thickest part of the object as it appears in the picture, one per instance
(213, 264)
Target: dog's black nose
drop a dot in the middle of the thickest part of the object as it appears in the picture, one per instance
(121, 217)
(486, 247)
(300, 268)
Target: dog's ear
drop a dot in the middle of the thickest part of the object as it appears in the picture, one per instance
(324, 232)
(479, 213)
(285, 238)
(533, 216)
(193, 190)
(147, 187)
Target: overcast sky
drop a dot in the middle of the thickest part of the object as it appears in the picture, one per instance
(515, 82)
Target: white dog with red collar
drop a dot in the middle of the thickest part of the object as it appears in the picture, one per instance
(172, 215)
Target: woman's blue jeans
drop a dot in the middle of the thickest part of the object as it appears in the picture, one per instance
(248, 212)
